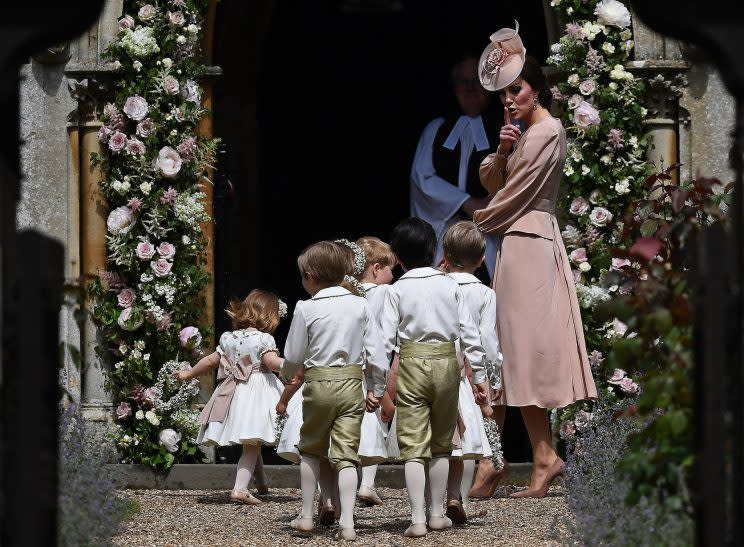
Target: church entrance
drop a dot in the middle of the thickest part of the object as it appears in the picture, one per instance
(320, 107)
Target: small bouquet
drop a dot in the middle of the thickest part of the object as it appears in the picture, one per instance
(494, 440)
(279, 423)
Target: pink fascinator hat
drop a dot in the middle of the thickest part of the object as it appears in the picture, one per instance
(502, 61)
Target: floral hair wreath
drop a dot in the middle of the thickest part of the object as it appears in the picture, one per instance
(359, 259)
(282, 308)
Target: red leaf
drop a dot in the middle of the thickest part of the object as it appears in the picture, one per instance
(646, 248)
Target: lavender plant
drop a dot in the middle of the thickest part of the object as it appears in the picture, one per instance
(89, 511)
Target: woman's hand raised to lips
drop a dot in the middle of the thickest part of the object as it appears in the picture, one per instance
(509, 134)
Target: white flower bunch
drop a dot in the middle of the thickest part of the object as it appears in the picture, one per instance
(189, 209)
(591, 295)
(140, 42)
(186, 421)
(359, 259)
(167, 384)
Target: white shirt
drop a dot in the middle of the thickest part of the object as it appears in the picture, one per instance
(426, 305)
(246, 342)
(436, 200)
(333, 329)
(481, 303)
(375, 295)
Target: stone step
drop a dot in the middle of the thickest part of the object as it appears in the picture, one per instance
(222, 476)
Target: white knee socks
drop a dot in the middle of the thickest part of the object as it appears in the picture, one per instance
(368, 475)
(326, 481)
(467, 481)
(416, 486)
(438, 471)
(246, 465)
(347, 487)
(308, 482)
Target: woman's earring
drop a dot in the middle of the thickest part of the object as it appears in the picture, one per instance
(534, 102)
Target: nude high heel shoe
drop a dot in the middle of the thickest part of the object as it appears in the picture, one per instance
(556, 470)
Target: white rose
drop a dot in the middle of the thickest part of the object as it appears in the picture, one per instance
(167, 62)
(190, 92)
(145, 187)
(151, 417)
(585, 170)
(573, 79)
(120, 220)
(136, 107)
(622, 187)
(140, 415)
(168, 162)
(578, 206)
(181, 39)
(585, 267)
(192, 29)
(612, 12)
(608, 48)
(137, 65)
(574, 101)
(169, 438)
(176, 18)
(612, 86)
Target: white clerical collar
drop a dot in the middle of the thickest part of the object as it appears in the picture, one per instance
(478, 132)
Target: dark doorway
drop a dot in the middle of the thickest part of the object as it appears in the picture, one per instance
(321, 107)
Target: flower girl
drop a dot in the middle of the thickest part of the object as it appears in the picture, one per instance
(242, 408)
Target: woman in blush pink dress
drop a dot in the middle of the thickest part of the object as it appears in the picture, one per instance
(539, 323)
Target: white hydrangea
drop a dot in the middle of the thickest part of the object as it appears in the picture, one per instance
(140, 42)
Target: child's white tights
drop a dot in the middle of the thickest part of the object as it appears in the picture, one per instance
(368, 475)
(309, 471)
(347, 487)
(246, 465)
(468, 472)
(438, 471)
(416, 486)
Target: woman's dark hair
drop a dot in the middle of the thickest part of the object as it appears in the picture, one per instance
(532, 73)
(414, 242)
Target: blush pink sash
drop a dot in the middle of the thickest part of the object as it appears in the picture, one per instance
(216, 409)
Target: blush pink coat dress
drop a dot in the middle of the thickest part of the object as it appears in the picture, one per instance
(538, 319)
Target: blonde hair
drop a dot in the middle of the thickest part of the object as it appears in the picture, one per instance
(463, 244)
(376, 251)
(260, 310)
(329, 263)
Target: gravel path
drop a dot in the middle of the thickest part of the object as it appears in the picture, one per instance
(207, 517)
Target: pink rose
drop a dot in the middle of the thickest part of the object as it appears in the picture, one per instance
(600, 216)
(579, 206)
(104, 133)
(135, 147)
(568, 430)
(126, 22)
(618, 263)
(145, 250)
(178, 115)
(136, 107)
(190, 337)
(578, 256)
(117, 142)
(166, 250)
(145, 128)
(130, 319)
(587, 87)
(146, 12)
(168, 162)
(161, 267)
(617, 376)
(123, 411)
(126, 297)
(149, 395)
(595, 196)
(627, 385)
(176, 18)
(574, 101)
(586, 115)
(170, 85)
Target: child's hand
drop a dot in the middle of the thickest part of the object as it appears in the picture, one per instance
(481, 393)
(496, 394)
(486, 411)
(373, 403)
(281, 407)
(181, 375)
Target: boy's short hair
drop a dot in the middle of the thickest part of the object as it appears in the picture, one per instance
(464, 244)
(325, 261)
(375, 251)
(414, 242)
